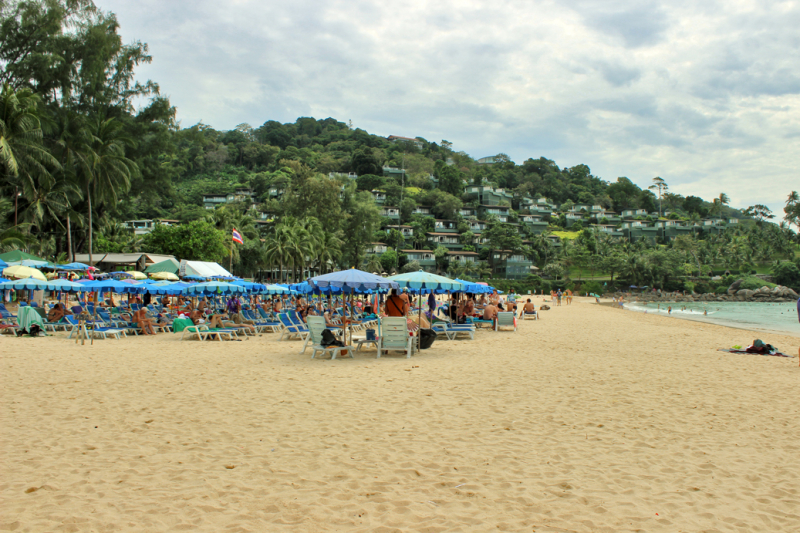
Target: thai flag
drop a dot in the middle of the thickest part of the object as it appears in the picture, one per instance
(237, 237)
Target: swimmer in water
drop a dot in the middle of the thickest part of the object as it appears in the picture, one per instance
(669, 310)
(705, 312)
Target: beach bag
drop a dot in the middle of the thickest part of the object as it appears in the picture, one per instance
(329, 339)
(426, 338)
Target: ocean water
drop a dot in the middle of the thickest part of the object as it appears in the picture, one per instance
(768, 316)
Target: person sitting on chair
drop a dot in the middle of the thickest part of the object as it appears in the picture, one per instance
(395, 305)
(490, 313)
(56, 313)
(529, 309)
(143, 321)
(224, 321)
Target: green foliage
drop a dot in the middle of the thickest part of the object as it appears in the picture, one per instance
(592, 287)
(752, 283)
(389, 260)
(196, 240)
(787, 273)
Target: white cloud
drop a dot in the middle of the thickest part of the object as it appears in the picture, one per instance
(705, 95)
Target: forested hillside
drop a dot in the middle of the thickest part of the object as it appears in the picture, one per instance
(79, 160)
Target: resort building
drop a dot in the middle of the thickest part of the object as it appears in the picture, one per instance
(241, 194)
(406, 231)
(425, 258)
(463, 257)
(515, 266)
(376, 248)
(487, 195)
(448, 240)
(390, 212)
(143, 227)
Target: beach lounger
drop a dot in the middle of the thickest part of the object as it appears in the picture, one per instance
(316, 325)
(94, 329)
(290, 329)
(505, 320)
(5, 315)
(395, 336)
(261, 325)
(203, 332)
(452, 330)
(530, 316)
(480, 322)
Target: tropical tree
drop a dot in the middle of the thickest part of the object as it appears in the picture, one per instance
(792, 209)
(719, 202)
(661, 186)
(107, 172)
(374, 264)
(24, 161)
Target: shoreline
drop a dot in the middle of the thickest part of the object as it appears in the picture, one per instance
(721, 322)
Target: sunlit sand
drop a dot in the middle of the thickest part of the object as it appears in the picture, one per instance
(592, 419)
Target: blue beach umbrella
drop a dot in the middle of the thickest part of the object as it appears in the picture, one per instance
(352, 280)
(425, 282)
(31, 284)
(73, 266)
(110, 285)
(3, 264)
(212, 288)
(274, 289)
(250, 286)
(472, 287)
(169, 289)
(63, 285)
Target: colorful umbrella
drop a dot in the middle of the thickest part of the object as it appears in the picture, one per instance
(168, 276)
(426, 282)
(22, 272)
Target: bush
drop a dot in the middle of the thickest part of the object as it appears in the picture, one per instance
(546, 288)
(592, 286)
(703, 288)
(787, 273)
(752, 283)
(721, 290)
(688, 286)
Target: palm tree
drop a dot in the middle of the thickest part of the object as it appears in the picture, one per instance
(104, 170)
(374, 264)
(660, 185)
(24, 161)
(722, 200)
(330, 250)
(278, 248)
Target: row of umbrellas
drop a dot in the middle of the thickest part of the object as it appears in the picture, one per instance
(342, 282)
(211, 288)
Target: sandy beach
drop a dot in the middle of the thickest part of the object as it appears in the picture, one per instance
(592, 419)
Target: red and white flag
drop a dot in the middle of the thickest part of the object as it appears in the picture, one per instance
(237, 237)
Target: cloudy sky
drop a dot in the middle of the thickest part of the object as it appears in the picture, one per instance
(704, 94)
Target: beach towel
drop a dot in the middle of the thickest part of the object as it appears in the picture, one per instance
(27, 317)
(731, 350)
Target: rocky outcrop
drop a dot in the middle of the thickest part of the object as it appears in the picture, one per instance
(764, 294)
(735, 286)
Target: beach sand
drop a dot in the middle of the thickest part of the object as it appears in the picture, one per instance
(592, 419)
